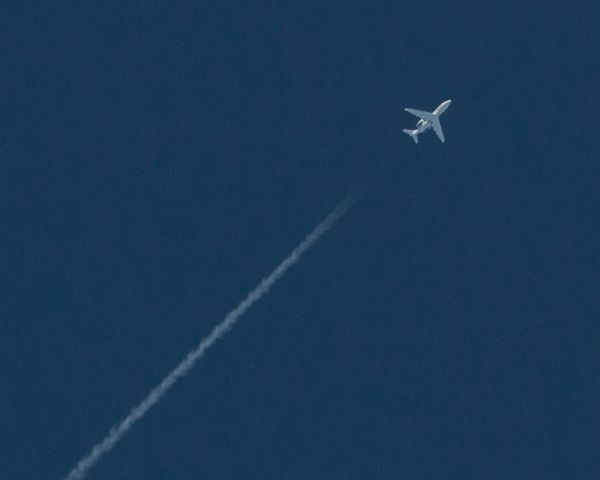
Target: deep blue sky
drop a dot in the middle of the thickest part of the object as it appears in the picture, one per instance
(158, 161)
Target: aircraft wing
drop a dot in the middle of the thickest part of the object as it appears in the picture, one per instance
(437, 127)
(421, 114)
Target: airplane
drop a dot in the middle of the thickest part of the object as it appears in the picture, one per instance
(427, 121)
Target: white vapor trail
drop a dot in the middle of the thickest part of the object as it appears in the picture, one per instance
(157, 393)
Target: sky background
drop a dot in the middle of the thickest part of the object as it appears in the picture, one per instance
(158, 161)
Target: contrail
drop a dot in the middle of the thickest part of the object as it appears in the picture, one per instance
(157, 393)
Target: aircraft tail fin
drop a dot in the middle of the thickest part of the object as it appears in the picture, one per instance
(412, 134)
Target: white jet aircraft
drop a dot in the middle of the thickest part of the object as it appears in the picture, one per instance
(427, 121)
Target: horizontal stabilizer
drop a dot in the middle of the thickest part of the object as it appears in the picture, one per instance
(413, 134)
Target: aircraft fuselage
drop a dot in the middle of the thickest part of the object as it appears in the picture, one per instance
(423, 126)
